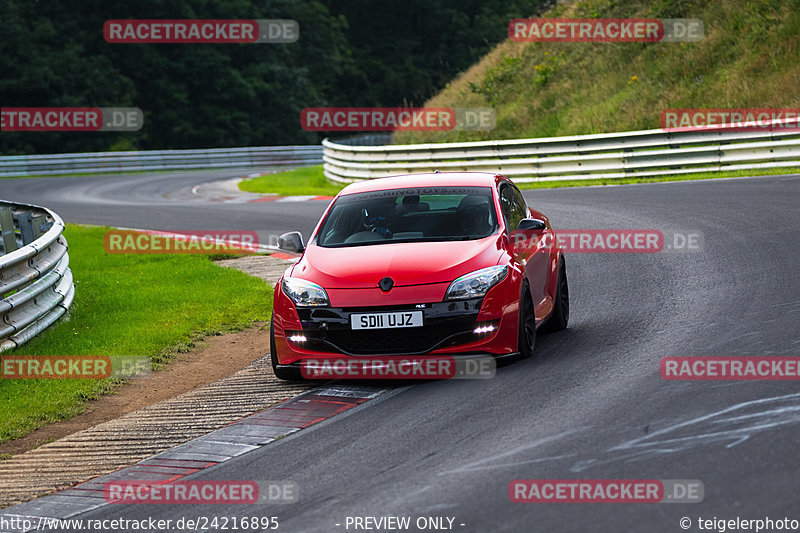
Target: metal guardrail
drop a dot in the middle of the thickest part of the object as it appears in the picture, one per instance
(98, 162)
(368, 139)
(36, 286)
(644, 153)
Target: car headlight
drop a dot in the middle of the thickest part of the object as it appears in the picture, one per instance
(476, 284)
(305, 293)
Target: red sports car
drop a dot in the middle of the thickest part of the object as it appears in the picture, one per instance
(426, 264)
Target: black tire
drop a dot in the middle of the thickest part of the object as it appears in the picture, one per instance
(286, 374)
(526, 341)
(560, 317)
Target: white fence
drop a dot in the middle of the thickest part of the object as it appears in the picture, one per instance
(645, 153)
(99, 162)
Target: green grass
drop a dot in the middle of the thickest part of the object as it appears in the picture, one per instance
(300, 182)
(749, 57)
(318, 177)
(128, 305)
(657, 179)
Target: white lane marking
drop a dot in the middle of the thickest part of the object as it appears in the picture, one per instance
(732, 425)
(296, 198)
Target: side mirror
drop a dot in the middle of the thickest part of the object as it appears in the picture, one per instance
(291, 242)
(531, 224)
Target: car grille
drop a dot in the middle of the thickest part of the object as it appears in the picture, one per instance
(446, 324)
(399, 341)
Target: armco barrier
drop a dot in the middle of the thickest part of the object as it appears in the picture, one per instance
(644, 153)
(99, 162)
(36, 286)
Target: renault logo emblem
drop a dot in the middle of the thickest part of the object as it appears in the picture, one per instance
(386, 284)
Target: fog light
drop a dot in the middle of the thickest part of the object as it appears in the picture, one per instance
(297, 338)
(486, 328)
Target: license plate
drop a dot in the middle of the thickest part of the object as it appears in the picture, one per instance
(398, 319)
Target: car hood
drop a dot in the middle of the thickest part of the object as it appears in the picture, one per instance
(418, 263)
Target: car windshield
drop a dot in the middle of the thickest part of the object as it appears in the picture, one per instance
(409, 215)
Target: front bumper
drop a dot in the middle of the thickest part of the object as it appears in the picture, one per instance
(448, 329)
(327, 330)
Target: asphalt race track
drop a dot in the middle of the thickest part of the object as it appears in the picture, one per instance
(591, 404)
(163, 201)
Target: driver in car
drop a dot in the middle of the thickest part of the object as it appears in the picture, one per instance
(475, 216)
(378, 220)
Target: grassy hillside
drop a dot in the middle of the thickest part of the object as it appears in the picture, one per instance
(750, 57)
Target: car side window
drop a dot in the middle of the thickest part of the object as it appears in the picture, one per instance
(513, 206)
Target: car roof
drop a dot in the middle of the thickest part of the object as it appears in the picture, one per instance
(428, 179)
